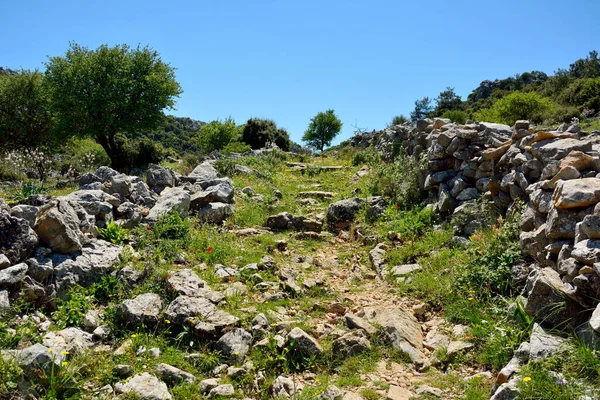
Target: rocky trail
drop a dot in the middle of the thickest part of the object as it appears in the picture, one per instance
(273, 275)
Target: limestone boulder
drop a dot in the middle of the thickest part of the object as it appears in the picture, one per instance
(57, 226)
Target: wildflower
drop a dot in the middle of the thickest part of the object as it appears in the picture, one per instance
(65, 363)
(148, 228)
(231, 279)
(134, 335)
(526, 379)
(209, 250)
(50, 350)
(191, 320)
(470, 299)
(237, 353)
(317, 379)
(167, 321)
(64, 353)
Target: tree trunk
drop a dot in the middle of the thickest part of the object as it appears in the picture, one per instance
(114, 152)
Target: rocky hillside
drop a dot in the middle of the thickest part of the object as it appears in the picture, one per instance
(274, 275)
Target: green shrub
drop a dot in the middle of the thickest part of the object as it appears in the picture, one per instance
(583, 94)
(564, 114)
(398, 120)
(171, 227)
(367, 156)
(516, 106)
(83, 154)
(26, 189)
(11, 376)
(492, 254)
(226, 166)
(235, 147)
(458, 116)
(71, 312)
(113, 233)
(399, 181)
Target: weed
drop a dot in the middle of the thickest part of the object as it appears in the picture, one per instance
(71, 312)
(26, 189)
(113, 233)
(11, 375)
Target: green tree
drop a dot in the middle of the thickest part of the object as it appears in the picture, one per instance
(110, 90)
(25, 120)
(515, 106)
(422, 109)
(447, 100)
(258, 132)
(322, 129)
(218, 134)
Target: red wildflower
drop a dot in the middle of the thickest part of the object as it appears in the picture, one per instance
(396, 206)
(231, 279)
(209, 250)
(148, 228)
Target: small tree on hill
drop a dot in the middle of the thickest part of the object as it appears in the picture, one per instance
(322, 129)
(110, 90)
(422, 109)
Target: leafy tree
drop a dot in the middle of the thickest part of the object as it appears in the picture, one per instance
(258, 132)
(447, 100)
(398, 120)
(422, 109)
(588, 67)
(217, 134)
(322, 129)
(110, 90)
(25, 120)
(515, 106)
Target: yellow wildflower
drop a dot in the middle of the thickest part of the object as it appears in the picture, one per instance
(526, 379)
(50, 350)
(64, 353)
(167, 321)
(65, 363)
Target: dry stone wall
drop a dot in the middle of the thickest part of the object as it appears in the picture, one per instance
(555, 173)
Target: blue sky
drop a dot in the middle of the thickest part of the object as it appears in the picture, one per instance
(288, 60)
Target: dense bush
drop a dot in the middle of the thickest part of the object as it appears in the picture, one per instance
(583, 93)
(516, 106)
(258, 132)
(492, 256)
(235, 147)
(399, 181)
(398, 120)
(458, 116)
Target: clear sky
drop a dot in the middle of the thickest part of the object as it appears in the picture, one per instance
(288, 60)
